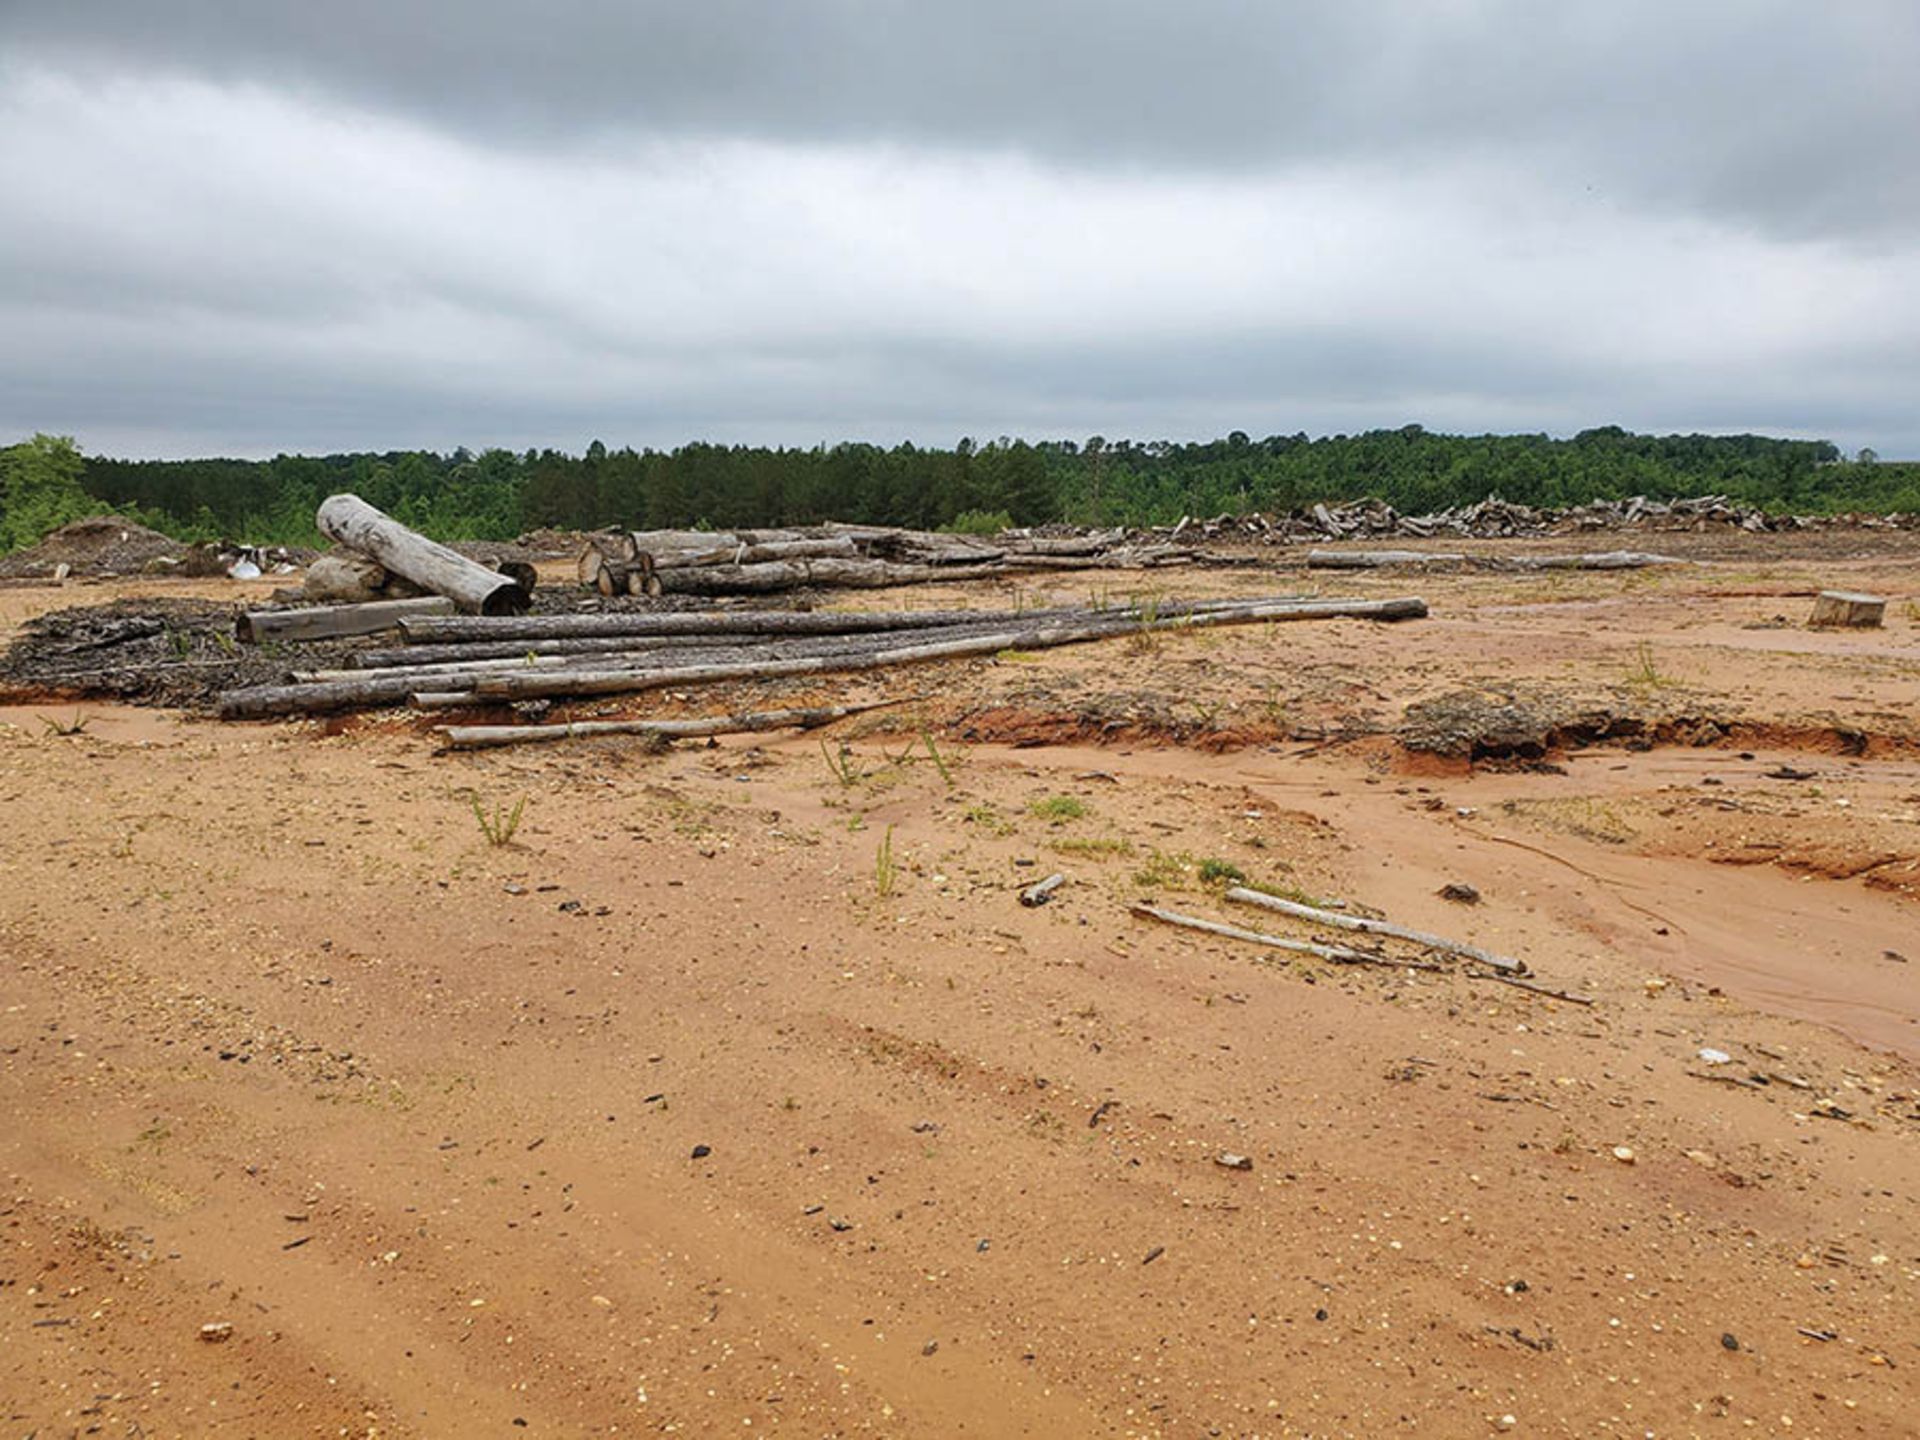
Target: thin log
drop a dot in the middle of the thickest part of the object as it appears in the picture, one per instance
(471, 586)
(618, 682)
(1599, 560)
(1241, 895)
(328, 622)
(1376, 559)
(778, 575)
(1338, 954)
(442, 699)
(485, 737)
(455, 629)
(834, 547)
(395, 655)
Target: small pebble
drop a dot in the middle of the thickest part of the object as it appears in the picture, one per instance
(1624, 1154)
(1728, 1342)
(700, 1152)
(217, 1333)
(1227, 1160)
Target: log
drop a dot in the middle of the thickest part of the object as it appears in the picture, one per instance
(1041, 637)
(521, 573)
(834, 547)
(1241, 895)
(1338, 954)
(485, 737)
(455, 629)
(471, 586)
(1848, 609)
(329, 622)
(775, 575)
(1377, 559)
(1602, 560)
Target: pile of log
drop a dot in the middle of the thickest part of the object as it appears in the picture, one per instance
(761, 562)
(450, 661)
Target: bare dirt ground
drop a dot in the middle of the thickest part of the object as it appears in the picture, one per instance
(686, 1112)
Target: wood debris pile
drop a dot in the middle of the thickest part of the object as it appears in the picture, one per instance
(1497, 519)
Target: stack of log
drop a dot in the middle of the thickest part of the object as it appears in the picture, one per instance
(760, 562)
(472, 660)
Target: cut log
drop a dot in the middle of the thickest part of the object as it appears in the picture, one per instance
(1243, 896)
(1602, 560)
(838, 547)
(457, 629)
(343, 578)
(1041, 637)
(776, 575)
(1377, 559)
(471, 586)
(484, 737)
(1848, 609)
(521, 573)
(329, 622)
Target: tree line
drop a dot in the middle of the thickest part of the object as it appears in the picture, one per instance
(497, 494)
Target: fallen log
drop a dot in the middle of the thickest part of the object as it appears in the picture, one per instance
(1041, 891)
(837, 547)
(433, 567)
(459, 629)
(1377, 559)
(329, 622)
(1241, 895)
(775, 575)
(619, 682)
(486, 737)
(1601, 560)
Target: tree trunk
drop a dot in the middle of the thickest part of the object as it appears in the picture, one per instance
(471, 586)
(775, 575)
(329, 622)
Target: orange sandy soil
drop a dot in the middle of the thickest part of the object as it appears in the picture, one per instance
(286, 1046)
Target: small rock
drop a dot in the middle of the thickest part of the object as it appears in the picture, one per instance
(700, 1152)
(1728, 1342)
(1710, 1056)
(1459, 892)
(1624, 1154)
(1154, 1254)
(217, 1333)
(834, 1222)
(983, 1247)
(929, 1347)
(1227, 1160)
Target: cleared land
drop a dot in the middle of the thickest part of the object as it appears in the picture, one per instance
(287, 1046)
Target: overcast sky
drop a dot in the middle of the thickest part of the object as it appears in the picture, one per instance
(242, 228)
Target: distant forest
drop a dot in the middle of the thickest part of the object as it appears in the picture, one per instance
(497, 494)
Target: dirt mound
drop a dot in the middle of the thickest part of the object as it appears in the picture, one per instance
(98, 545)
(1529, 722)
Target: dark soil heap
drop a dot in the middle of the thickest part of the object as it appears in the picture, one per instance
(98, 545)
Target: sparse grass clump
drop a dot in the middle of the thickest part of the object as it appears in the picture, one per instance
(498, 827)
(1097, 847)
(1058, 809)
(1215, 871)
(76, 726)
(884, 874)
(1645, 670)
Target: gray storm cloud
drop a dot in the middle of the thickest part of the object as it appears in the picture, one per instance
(270, 226)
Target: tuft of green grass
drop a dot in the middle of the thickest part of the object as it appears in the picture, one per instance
(1645, 670)
(76, 726)
(884, 874)
(1215, 871)
(841, 765)
(1058, 809)
(498, 827)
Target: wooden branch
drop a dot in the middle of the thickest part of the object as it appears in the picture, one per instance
(328, 622)
(433, 567)
(484, 737)
(1240, 894)
(1338, 954)
(1535, 987)
(1041, 891)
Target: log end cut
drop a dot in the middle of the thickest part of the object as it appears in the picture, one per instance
(1847, 609)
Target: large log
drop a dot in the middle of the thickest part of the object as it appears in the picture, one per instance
(328, 622)
(1376, 559)
(433, 567)
(837, 547)
(484, 737)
